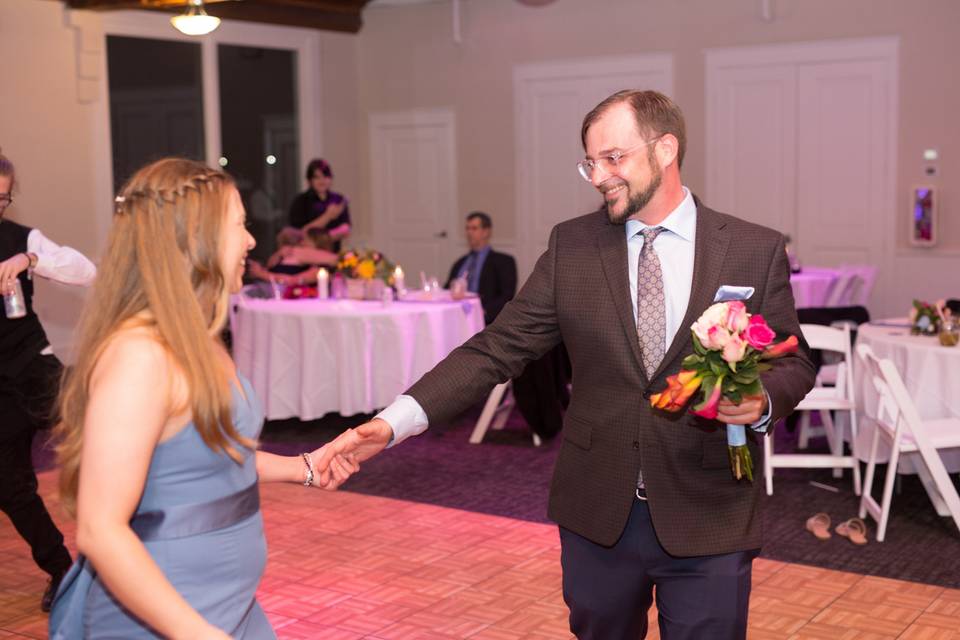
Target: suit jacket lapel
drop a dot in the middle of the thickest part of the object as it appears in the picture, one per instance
(709, 252)
(612, 243)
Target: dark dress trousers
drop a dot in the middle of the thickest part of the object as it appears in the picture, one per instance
(579, 293)
(29, 383)
(498, 282)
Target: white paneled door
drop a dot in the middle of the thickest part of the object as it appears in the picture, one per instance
(802, 138)
(751, 143)
(551, 100)
(845, 200)
(414, 189)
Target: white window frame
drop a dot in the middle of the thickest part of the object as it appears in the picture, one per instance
(154, 25)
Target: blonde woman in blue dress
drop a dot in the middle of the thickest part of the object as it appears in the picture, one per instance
(158, 440)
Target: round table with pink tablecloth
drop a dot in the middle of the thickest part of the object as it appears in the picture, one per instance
(812, 286)
(306, 358)
(930, 371)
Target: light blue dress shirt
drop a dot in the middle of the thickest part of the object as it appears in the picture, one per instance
(473, 268)
(675, 248)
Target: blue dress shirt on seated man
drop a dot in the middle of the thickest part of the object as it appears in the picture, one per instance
(489, 273)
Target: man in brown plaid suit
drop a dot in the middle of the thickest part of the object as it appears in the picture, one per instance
(643, 498)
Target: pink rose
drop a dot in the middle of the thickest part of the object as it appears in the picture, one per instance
(735, 349)
(758, 333)
(717, 338)
(714, 316)
(737, 316)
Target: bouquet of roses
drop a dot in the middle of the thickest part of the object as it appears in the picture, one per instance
(365, 265)
(729, 347)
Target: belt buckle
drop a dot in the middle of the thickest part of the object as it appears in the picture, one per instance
(641, 494)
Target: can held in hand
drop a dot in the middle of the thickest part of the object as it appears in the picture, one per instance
(13, 303)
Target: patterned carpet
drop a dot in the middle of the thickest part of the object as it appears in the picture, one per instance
(508, 476)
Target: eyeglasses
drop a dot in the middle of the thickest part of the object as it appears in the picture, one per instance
(5, 201)
(609, 163)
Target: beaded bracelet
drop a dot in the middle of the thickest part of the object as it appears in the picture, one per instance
(308, 478)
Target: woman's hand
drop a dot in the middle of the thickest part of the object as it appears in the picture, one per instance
(256, 270)
(331, 213)
(335, 470)
(357, 444)
(10, 269)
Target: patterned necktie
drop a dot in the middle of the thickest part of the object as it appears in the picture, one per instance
(651, 308)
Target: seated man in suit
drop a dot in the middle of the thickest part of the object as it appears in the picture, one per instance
(489, 273)
(541, 390)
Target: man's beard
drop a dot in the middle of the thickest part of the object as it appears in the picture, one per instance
(637, 202)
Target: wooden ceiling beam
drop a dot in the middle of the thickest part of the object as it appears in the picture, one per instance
(328, 15)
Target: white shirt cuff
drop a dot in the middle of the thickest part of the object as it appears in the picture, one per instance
(406, 418)
(60, 263)
(761, 425)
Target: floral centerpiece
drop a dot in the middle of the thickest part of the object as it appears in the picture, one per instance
(925, 318)
(729, 349)
(367, 273)
(365, 265)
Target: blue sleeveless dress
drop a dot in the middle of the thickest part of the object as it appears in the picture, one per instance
(212, 550)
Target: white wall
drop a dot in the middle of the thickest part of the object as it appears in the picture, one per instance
(52, 128)
(405, 58)
(46, 131)
(408, 59)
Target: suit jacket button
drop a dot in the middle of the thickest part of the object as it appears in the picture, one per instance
(636, 444)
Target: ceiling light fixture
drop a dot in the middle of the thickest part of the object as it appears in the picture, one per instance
(195, 21)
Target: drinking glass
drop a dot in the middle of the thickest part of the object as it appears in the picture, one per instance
(949, 333)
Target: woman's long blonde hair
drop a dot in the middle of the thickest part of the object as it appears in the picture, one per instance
(161, 265)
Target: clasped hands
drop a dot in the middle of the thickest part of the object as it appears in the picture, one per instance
(338, 460)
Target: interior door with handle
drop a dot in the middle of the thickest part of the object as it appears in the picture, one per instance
(414, 190)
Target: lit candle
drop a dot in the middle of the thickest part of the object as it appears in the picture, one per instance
(323, 284)
(398, 283)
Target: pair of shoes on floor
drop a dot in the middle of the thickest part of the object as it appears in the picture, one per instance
(854, 529)
(46, 602)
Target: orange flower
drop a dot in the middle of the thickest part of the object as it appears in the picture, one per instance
(680, 388)
(781, 348)
(366, 269)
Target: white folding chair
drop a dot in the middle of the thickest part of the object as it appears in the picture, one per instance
(866, 276)
(495, 412)
(898, 422)
(842, 289)
(825, 399)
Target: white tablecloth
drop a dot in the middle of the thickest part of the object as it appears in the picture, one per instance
(931, 373)
(812, 286)
(306, 358)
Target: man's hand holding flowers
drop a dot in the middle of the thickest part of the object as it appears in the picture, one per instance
(729, 347)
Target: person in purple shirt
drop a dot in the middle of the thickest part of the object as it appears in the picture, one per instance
(320, 208)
